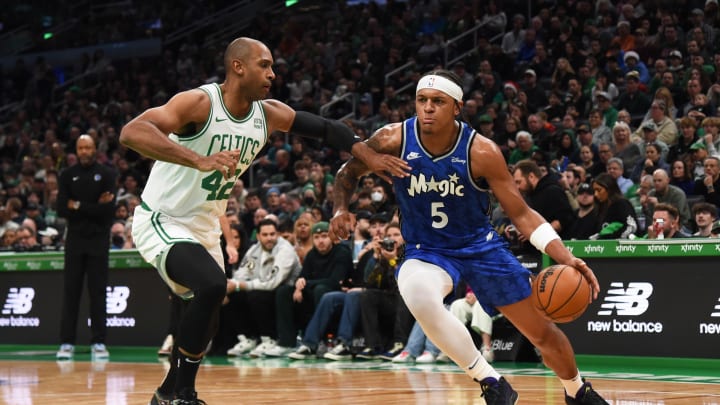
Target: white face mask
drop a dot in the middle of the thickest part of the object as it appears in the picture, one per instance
(376, 196)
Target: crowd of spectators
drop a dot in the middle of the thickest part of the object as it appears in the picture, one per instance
(572, 87)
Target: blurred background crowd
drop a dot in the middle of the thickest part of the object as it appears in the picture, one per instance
(582, 89)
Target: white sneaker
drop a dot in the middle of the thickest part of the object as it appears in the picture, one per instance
(278, 351)
(403, 357)
(99, 351)
(167, 346)
(426, 357)
(488, 354)
(244, 345)
(442, 358)
(65, 352)
(265, 343)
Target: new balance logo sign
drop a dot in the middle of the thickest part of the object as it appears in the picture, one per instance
(116, 299)
(629, 301)
(19, 301)
(716, 314)
(116, 302)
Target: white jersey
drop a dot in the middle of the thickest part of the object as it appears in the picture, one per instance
(196, 199)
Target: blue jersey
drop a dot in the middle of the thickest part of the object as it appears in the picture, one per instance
(444, 221)
(441, 205)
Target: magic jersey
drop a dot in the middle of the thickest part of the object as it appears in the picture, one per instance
(201, 197)
(441, 206)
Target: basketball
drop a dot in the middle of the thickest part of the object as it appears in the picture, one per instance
(561, 293)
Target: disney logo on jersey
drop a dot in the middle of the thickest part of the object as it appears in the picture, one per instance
(419, 184)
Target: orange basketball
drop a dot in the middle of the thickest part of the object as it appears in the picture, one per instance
(561, 293)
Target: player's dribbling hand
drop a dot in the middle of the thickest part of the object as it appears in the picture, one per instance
(342, 225)
(587, 273)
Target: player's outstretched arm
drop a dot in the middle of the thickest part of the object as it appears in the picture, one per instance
(386, 140)
(148, 133)
(334, 134)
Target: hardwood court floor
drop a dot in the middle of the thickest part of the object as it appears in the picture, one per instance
(34, 377)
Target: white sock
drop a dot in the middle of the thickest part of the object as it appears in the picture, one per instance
(573, 385)
(481, 369)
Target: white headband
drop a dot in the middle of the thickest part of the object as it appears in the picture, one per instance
(445, 85)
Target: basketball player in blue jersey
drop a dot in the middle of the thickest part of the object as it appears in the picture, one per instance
(444, 206)
(203, 140)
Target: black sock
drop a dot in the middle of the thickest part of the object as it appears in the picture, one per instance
(168, 385)
(187, 368)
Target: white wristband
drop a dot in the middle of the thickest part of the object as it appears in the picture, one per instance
(542, 235)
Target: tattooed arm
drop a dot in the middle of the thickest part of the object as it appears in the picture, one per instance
(385, 140)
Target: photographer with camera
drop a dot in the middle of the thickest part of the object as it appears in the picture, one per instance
(381, 299)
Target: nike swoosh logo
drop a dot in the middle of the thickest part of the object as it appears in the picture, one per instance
(218, 119)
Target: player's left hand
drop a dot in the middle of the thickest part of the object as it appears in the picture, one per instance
(342, 225)
(587, 273)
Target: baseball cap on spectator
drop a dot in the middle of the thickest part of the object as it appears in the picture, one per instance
(649, 126)
(319, 227)
(379, 217)
(698, 145)
(623, 23)
(583, 128)
(365, 99)
(49, 232)
(363, 214)
(585, 188)
(716, 227)
(632, 75)
(675, 54)
(485, 119)
(711, 2)
(603, 94)
(697, 11)
(530, 72)
(273, 190)
(631, 54)
(459, 64)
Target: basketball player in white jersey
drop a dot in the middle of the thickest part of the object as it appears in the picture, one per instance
(203, 140)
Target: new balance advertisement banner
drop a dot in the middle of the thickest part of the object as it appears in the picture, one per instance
(137, 308)
(652, 305)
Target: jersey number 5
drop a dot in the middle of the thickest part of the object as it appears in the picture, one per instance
(440, 219)
(214, 184)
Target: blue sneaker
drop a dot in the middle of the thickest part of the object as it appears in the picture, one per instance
(498, 392)
(367, 353)
(586, 395)
(390, 354)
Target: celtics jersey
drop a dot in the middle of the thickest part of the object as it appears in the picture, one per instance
(183, 192)
(441, 206)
